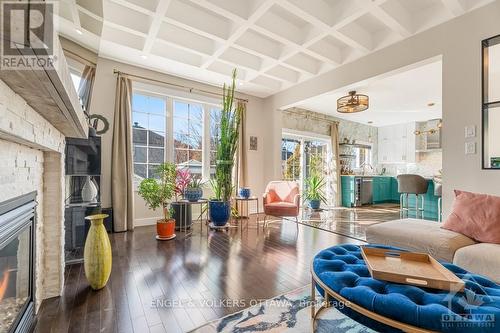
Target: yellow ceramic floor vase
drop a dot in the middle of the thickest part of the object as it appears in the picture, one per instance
(97, 253)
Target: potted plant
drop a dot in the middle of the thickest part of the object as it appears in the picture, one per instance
(182, 210)
(157, 193)
(222, 184)
(314, 191)
(194, 191)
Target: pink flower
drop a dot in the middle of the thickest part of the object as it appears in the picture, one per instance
(182, 180)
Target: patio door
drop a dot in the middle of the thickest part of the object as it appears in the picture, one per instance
(304, 154)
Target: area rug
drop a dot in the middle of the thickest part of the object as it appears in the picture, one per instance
(289, 313)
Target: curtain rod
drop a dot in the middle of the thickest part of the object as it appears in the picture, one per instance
(311, 116)
(190, 89)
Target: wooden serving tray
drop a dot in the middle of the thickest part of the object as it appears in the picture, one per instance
(417, 269)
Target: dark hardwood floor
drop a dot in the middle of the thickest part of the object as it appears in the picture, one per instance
(176, 286)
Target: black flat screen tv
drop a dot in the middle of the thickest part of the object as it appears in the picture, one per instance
(83, 156)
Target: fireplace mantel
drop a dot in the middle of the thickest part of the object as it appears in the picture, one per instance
(50, 92)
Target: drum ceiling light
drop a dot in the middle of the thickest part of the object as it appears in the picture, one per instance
(352, 103)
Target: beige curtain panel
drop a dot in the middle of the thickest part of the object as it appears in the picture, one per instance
(85, 87)
(334, 135)
(242, 149)
(122, 172)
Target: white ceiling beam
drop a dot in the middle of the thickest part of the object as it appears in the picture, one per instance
(75, 14)
(193, 29)
(125, 29)
(132, 6)
(454, 6)
(161, 10)
(240, 30)
(219, 10)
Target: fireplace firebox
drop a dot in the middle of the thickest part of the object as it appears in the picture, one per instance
(17, 264)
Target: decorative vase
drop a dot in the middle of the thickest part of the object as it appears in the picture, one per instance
(165, 230)
(244, 192)
(97, 253)
(220, 211)
(89, 190)
(193, 194)
(314, 204)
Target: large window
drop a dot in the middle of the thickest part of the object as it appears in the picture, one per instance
(148, 133)
(173, 129)
(188, 137)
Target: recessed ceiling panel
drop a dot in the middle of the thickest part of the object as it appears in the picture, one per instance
(146, 4)
(173, 53)
(89, 23)
(287, 25)
(260, 43)
(199, 18)
(186, 38)
(242, 58)
(122, 37)
(127, 17)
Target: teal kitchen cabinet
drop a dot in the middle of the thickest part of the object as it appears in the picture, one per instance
(381, 189)
(395, 195)
(347, 184)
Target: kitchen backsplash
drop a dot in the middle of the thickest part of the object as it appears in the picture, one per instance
(427, 164)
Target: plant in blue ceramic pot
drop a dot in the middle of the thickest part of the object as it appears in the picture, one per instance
(194, 190)
(227, 144)
(314, 191)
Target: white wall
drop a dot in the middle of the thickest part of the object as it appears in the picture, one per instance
(459, 43)
(32, 159)
(259, 123)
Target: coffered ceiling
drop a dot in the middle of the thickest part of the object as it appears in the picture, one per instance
(275, 44)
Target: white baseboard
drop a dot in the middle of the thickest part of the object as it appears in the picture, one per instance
(146, 221)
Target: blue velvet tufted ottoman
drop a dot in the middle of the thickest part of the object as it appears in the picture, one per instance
(340, 275)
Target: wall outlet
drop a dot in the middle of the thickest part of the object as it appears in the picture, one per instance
(470, 131)
(470, 148)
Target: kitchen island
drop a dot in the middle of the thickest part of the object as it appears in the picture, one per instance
(384, 189)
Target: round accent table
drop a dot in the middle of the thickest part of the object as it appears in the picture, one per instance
(241, 206)
(340, 275)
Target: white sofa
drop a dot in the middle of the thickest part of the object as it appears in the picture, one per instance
(427, 236)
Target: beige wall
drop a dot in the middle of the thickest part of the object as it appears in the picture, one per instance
(259, 123)
(459, 43)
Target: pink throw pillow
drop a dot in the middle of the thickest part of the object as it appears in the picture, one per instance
(476, 216)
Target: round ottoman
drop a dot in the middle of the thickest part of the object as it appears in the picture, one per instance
(340, 275)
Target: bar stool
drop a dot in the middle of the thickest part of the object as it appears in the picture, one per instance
(411, 184)
(438, 192)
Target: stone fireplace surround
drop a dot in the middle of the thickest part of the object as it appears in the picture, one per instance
(32, 159)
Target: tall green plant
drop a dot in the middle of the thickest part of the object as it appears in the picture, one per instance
(158, 192)
(230, 118)
(314, 188)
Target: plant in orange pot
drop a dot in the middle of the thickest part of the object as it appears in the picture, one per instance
(157, 193)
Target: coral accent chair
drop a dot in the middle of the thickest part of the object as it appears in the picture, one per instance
(282, 199)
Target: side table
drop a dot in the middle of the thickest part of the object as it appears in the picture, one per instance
(244, 202)
(184, 204)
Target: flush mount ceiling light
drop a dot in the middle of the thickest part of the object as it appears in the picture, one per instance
(352, 103)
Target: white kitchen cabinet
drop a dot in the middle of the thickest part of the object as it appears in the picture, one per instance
(396, 143)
